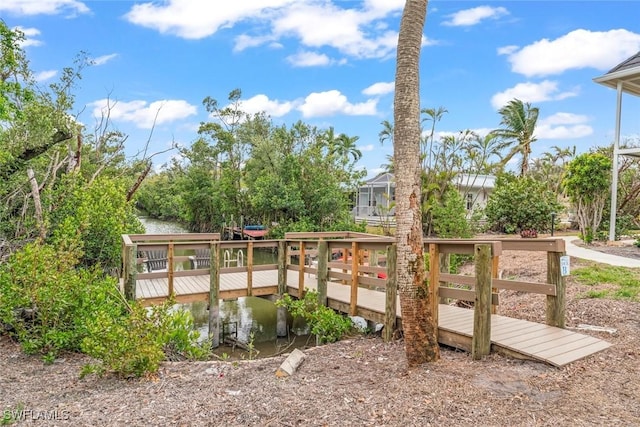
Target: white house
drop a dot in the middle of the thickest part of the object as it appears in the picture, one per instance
(376, 196)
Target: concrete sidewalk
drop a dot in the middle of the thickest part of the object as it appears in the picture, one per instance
(580, 252)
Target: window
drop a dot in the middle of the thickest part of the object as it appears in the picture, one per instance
(469, 201)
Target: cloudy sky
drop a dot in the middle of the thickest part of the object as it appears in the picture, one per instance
(331, 63)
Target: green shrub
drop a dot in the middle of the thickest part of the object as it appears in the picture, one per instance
(449, 216)
(520, 204)
(136, 344)
(326, 324)
(45, 301)
(49, 306)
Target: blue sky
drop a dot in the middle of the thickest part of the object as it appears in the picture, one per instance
(332, 63)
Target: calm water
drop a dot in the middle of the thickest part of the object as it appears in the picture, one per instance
(156, 226)
(245, 319)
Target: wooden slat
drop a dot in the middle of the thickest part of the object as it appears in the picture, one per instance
(515, 285)
(530, 287)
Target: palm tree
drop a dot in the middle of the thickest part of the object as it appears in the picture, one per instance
(342, 146)
(518, 122)
(386, 134)
(346, 147)
(418, 317)
(434, 115)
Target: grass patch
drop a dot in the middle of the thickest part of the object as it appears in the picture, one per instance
(625, 281)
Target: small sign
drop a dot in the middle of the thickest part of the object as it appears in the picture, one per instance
(564, 266)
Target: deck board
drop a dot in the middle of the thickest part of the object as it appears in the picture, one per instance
(551, 345)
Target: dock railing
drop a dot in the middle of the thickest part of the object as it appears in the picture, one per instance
(356, 260)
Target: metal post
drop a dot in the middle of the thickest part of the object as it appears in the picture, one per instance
(614, 169)
(553, 222)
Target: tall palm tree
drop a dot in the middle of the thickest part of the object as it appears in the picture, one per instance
(433, 115)
(518, 123)
(418, 319)
(346, 147)
(386, 134)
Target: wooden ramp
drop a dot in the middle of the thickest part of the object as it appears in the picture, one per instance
(549, 344)
(519, 338)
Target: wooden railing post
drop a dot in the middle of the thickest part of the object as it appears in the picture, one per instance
(481, 342)
(353, 301)
(249, 268)
(391, 293)
(301, 264)
(281, 312)
(214, 290)
(434, 281)
(445, 266)
(555, 303)
(170, 268)
(130, 269)
(323, 249)
(495, 265)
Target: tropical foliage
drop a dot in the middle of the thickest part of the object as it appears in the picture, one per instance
(521, 203)
(587, 181)
(245, 169)
(518, 123)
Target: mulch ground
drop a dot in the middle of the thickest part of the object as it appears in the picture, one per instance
(357, 382)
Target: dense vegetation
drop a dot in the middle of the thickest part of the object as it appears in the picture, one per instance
(68, 193)
(244, 169)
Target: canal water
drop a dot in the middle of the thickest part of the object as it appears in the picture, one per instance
(248, 320)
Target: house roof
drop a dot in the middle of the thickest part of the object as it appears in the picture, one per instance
(469, 181)
(380, 180)
(488, 182)
(627, 72)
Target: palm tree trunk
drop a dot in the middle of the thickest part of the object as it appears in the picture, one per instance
(420, 330)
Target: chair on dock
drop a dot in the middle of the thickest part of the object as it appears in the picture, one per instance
(202, 259)
(155, 260)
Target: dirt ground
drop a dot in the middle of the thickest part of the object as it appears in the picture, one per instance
(357, 382)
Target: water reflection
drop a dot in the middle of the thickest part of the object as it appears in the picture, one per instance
(246, 320)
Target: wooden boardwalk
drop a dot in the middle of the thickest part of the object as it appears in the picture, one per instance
(519, 338)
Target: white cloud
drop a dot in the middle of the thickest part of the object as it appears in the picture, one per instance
(319, 104)
(563, 126)
(380, 88)
(309, 59)
(260, 103)
(30, 35)
(366, 148)
(546, 90)
(351, 31)
(45, 75)
(42, 7)
(244, 41)
(601, 50)
(101, 60)
(507, 50)
(142, 113)
(196, 19)
(354, 29)
(481, 132)
(473, 16)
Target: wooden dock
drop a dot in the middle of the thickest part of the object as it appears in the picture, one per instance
(515, 337)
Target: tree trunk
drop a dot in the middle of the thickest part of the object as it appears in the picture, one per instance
(418, 320)
(37, 204)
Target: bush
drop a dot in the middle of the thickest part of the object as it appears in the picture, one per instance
(519, 204)
(50, 306)
(45, 302)
(136, 344)
(449, 216)
(327, 325)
